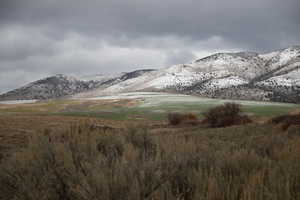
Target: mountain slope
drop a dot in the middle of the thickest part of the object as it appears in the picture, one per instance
(272, 76)
(50, 87)
(61, 85)
(246, 75)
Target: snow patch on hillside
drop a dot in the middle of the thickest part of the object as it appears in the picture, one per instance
(211, 76)
(18, 102)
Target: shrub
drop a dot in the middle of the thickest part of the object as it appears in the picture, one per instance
(225, 115)
(190, 117)
(111, 147)
(243, 162)
(285, 121)
(178, 118)
(175, 118)
(142, 141)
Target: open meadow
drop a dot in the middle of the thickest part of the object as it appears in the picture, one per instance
(138, 106)
(127, 147)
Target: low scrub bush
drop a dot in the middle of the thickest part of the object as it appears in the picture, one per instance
(237, 163)
(175, 118)
(285, 121)
(179, 118)
(225, 115)
(190, 116)
(111, 147)
(142, 142)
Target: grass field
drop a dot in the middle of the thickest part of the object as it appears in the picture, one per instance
(123, 147)
(153, 161)
(140, 106)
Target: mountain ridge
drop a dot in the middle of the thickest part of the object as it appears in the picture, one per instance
(273, 76)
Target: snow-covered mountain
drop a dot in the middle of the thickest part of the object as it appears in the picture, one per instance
(61, 85)
(272, 76)
(50, 87)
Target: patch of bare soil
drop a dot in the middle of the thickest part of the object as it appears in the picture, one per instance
(295, 112)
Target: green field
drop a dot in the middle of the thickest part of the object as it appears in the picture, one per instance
(156, 106)
(116, 148)
(150, 106)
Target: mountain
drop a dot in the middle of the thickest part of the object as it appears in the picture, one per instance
(50, 87)
(271, 76)
(61, 85)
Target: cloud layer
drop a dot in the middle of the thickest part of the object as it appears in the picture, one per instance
(41, 38)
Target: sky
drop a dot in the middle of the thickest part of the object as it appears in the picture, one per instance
(40, 38)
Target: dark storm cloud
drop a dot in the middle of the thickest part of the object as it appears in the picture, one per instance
(253, 23)
(43, 37)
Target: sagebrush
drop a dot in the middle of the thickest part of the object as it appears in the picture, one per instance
(225, 115)
(250, 162)
(180, 118)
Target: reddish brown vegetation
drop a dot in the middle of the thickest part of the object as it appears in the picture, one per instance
(178, 118)
(175, 118)
(225, 115)
(285, 121)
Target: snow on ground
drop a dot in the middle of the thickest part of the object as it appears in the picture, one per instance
(280, 58)
(133, 95)
(268, 56)
(158, 100)
(280, 80)
(226, 82)
(287, 55)
(172, 80)
(245, 66)
(224, 70)
(18, 102)
(152, 99)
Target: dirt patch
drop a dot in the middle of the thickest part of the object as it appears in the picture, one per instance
(67, 106)
(295, 112)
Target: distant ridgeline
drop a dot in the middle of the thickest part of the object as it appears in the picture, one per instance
(271, 76)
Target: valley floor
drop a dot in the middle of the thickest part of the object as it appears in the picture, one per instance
(20, 119)
(138, 106)
(123, 147)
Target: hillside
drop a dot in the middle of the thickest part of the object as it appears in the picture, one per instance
(50, 87)
(273, 76)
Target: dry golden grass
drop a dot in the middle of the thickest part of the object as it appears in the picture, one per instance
(56, 157)
(15, 129)
(73, 159)
(52, 106)
(295, 111)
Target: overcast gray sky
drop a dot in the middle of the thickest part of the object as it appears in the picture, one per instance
(39, 38)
